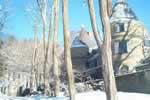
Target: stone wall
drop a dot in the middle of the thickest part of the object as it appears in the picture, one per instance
(136, 82)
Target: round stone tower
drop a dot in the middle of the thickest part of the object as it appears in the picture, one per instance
(127, 38)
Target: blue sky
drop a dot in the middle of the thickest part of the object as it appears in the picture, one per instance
(19, 23)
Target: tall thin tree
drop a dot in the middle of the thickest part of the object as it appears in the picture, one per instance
(43, 13)
(46, 89)
(109, 79)
(33, 69)
(93, 22)
(55, 44)
(43, 8)
(67, 50)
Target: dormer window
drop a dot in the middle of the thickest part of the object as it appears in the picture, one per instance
(118, 27)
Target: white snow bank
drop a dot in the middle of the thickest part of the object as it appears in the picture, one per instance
(97, 95)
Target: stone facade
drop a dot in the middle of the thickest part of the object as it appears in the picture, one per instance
(128, 35)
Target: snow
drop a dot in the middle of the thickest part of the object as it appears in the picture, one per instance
(94, 95)
(33, 98)
(121, 96)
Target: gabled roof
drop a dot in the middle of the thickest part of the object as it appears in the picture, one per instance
(83, 38)
(77, 43)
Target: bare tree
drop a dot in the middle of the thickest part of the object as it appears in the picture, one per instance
(33, 11)
(33, 82)
(93, 22)
(4, 11)
(47, 49)
(43, 9)
(67, 50)
(45, 13)
(108, 74)
(4, 14)
(55, 44)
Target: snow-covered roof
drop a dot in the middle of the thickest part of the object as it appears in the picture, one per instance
(77, 43)
(121, 10)
(83, 38)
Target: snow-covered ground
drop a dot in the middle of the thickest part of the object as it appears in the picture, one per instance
(97, 95)
(121, 96)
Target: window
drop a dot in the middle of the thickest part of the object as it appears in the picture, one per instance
(147, 43)
(120, 47)
(118, 27)
(121, 27)
(123, 47)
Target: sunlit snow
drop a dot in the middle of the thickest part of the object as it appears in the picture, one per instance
(97, 95)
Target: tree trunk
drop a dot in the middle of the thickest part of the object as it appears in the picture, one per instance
(42, 6)
(67, 50)
(55, 43)
(43, 13)
(109, 6)
(46, 89)
(9, 84)
(108, 74)
(33, 69)
(93, 22)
